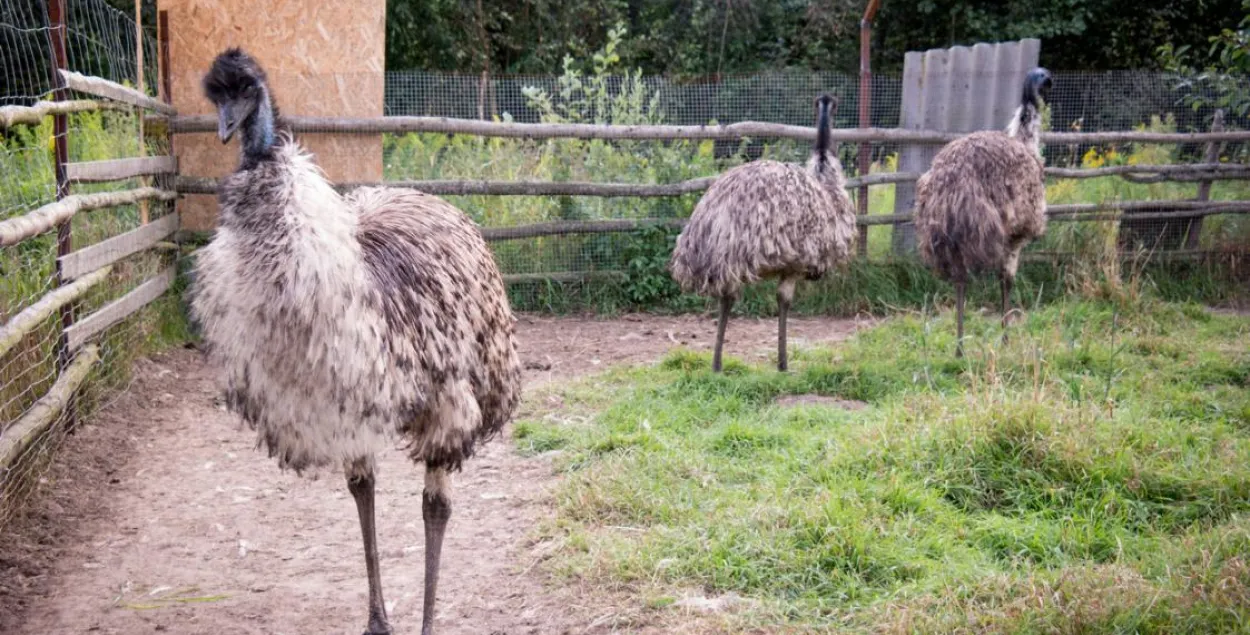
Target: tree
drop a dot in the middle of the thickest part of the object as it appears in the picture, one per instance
(1222, 82)
(710, 37)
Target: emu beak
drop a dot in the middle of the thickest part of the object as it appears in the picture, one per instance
(229, 118)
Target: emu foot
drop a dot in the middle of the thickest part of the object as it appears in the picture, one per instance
(378, 625)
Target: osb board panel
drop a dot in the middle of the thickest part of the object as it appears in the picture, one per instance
(323, 59)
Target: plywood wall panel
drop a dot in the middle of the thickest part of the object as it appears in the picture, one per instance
(323, 59)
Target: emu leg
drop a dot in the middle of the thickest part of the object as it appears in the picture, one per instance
(360, 484)
(959, 318)
(726, 303)
(785, 295)
(1006, 304)
(435, 511)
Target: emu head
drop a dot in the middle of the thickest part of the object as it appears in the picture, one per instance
(1037, 85)
(826, 104)
(237, 86)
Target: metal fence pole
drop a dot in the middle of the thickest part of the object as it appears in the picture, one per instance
(165, 88)
(864, 163)
(60, 133)
(141, 83)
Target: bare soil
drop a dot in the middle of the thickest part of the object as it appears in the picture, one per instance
(161, 516)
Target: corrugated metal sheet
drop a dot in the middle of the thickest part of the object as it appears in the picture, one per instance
(960, 89)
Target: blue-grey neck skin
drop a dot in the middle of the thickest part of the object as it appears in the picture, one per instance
(258, 131)
(821, 149)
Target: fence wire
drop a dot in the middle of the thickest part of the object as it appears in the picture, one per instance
(1079, 102)
(99, 41)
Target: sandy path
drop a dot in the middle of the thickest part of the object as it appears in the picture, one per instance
(162, 516)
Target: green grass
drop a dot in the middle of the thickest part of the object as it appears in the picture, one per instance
(1091, 476)
(887, 286)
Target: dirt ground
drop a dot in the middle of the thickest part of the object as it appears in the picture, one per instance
(161, 516)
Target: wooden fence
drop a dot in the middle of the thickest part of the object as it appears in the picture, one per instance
(1153, 210)
(78, 271)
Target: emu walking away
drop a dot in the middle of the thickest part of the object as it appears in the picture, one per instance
(984, 199)
(345, 324)
(767, 219)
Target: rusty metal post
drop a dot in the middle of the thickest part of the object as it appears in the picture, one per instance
(165, 84)
(162, 43)
(865, 113)
(60, 131)
(142, 84)
(64, 231)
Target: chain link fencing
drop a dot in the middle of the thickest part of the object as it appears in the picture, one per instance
(99, 41)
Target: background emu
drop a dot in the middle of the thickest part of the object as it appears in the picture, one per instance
(344, 324)
(984, 199)
(768, 220)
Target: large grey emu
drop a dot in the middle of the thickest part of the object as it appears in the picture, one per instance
(983, 199)
(768, 220)
(345, 324)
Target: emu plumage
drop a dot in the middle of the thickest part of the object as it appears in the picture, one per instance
(984, 199)
(347, 324)
(767, 219)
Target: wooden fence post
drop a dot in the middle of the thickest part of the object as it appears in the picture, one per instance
(1204, 188)
(60, 133)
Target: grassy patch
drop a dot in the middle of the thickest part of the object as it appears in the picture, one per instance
(1090, 476)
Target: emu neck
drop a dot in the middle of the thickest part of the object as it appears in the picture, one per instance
(258, 132)
(1026, 126)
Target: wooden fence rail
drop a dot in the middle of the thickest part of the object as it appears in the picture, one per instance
(32, 316)
(119, 169)
(41, 416)
(464, 187)
(101, 87)
(33, 115)
(106, 252)
(120, 309)
(1076, 212)
(15, 230)
(376, 125)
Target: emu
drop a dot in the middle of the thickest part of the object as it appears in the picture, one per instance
(344, 324)
(767, 219)
(984, 199)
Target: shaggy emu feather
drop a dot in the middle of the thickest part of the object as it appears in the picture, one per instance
(768, 220)
(984, 199)
(346, 324)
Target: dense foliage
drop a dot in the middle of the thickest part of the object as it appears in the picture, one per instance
(708, 37)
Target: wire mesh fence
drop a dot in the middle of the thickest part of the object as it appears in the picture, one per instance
(98, 40)
(1079, 102)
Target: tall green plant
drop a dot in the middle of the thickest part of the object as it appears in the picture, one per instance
(1222, 82)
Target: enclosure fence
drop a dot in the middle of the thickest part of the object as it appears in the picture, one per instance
(577, 182)
(85, 218)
